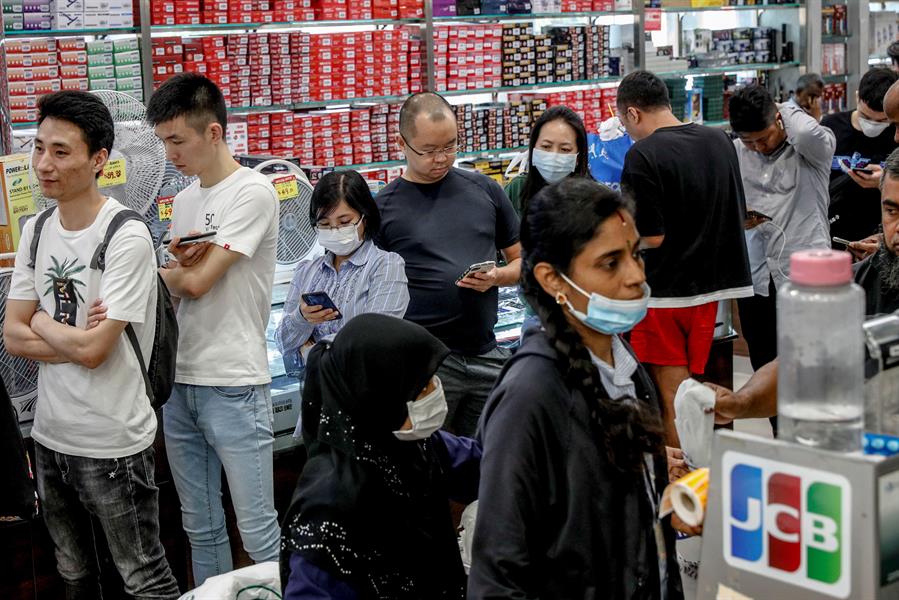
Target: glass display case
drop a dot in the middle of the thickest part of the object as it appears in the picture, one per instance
(286, 376)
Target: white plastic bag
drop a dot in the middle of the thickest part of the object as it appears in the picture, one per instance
(466, 538)
(694, 418)
(260, 582)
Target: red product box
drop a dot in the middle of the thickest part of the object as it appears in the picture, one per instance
(78, 57)
(65, 44)
(32, 73)
(81, 84)
(195, 67)
(39, 88)
(28, 101)
(72, 71)
(14, 46)
(36, 59)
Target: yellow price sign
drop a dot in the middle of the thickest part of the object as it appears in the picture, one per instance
(164, 204)
(286, 187)
(113, 173)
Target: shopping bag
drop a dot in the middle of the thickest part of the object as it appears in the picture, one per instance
(607, 150)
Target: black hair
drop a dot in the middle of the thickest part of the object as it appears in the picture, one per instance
(873, 87)
(84, 110)
(809, 80)
(643, 90)
(349, 186)
(188, 95)
(559, 222)
(434, 105)
(534, 181)
(893, 52)
(891, 167)
(752, 109)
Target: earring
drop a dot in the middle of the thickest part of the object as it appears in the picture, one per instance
(561, 299)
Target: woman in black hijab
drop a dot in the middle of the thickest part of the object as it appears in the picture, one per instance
(370, 517)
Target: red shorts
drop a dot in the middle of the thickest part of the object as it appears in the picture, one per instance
(676, 337)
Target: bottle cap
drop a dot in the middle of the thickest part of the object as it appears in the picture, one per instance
(821, 267)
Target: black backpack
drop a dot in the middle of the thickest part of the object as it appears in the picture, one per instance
(159, 374)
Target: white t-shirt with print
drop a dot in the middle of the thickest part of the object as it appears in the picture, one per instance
(221, 340)
(102, 412)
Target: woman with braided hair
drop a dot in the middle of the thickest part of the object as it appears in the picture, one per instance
(574, 463)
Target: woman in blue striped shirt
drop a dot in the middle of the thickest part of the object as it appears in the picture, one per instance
(358, 276)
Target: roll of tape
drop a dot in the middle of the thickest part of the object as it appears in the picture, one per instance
(687, 497)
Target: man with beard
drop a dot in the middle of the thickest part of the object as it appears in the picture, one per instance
(878, 275)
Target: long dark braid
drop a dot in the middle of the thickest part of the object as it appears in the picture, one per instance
(557, 225)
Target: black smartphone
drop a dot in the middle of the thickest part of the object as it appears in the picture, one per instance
(320, 299)
(839, 240)
(865, 171)
(190, 240)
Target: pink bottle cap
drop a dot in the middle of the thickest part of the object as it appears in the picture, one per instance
(821, 267)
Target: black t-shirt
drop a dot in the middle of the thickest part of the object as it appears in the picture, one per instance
(858, 208)
(440, 229)
(878, 300)
(686, 183)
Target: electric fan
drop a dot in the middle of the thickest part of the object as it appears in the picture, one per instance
(19, 375)
(296, 235)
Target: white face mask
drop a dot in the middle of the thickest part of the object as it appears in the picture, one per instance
(554, 166)
(870, 128)
(427, 415)
(342, 241)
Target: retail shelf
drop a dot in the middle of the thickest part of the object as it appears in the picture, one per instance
(674, 9)
(530, 16)
(728, 69)
(877, 59)
(315, 104)
(717, 124)
(835, 39)
(397, 163)
(69, 32)
(529, 88)
(32, 125)
(837, 78)
(212, 27)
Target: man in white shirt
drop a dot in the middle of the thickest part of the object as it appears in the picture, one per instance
(94, 425)
(220, 412)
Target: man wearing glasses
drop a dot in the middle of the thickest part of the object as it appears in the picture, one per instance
(442, 220)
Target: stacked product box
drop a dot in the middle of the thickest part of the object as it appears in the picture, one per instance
(833, 60)
(191, 12)
(519, 55)
(258, 69)
(468, 57)
(39, 66)
(834, 98)
(93, 14)
(27, 15)
(32, 69)
(114, 65)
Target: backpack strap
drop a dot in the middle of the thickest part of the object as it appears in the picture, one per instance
(99, 262)
(38, 228)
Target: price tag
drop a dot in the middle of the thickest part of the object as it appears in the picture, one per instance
(113, 173)
(164, 204)
(286, 187)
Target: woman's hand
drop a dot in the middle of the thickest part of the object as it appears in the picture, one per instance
(677, 466)
(679, 525)
(315, 315)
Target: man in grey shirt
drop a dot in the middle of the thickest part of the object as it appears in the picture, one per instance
(785, 157)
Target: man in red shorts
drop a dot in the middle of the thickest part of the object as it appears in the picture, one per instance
(685, 180)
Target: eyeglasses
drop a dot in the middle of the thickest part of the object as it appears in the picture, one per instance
(330, 228)
(432, 154)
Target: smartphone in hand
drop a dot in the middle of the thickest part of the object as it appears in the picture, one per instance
(481, 267)
(320, 299)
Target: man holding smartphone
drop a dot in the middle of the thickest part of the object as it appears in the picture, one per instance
(865, 132)
(442, 221)
(220, 412)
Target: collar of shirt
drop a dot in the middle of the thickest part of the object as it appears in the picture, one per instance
(358, 258)
(619, 377)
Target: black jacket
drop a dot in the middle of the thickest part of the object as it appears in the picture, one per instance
(555, 519)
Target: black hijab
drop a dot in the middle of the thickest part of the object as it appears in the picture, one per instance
(370, 509)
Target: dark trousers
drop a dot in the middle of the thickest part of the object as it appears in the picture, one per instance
(758, 319)
(467, 381)
(120, 494)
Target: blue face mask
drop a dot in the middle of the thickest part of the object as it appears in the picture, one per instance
(610, 316)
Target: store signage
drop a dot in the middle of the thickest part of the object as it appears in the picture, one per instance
(787, 522)
(114, 173)
(286, 187)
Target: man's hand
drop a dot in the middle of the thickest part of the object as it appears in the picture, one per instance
(813, 107)
(38, 320)
(677, 466)
(188, 255)
(867, 180)
(683, 527)
(316, 315)
(726, 404)
(96, 314)
(480, 282)
(866, 247)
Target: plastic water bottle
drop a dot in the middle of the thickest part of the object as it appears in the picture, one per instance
(820, 385)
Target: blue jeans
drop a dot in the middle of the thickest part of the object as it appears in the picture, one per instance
(121, 494)
(207, 428)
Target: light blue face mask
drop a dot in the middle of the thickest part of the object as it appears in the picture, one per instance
(610, 316)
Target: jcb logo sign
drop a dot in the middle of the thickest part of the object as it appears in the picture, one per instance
(786, 522)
